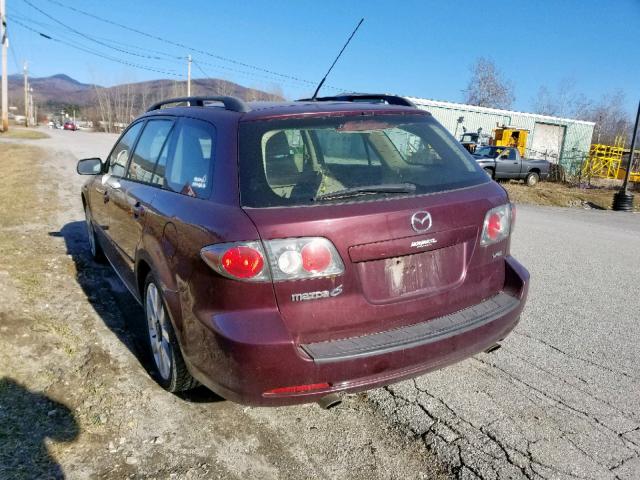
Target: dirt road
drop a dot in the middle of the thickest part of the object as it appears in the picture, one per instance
(75, 399)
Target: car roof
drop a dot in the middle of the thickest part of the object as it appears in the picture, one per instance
(261, 110)
(265, 110)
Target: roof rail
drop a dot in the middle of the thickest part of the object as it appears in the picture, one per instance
(364, 97)
(230, 103)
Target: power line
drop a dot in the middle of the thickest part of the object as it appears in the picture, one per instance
(93, 52)
(65, 31)
(181, 45)
(13, 52)
(89, 37)
(62, 34)
(248, 74)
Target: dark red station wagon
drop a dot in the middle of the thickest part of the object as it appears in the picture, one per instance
(285, 252)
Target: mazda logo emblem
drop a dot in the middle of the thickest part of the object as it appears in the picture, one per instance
(421, 221)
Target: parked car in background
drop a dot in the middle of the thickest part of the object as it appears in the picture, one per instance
(287, 251)
(503, 163)
(70, 126)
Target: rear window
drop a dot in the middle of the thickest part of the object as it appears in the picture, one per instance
(349, 158)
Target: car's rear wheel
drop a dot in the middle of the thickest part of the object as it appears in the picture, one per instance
(532, 179)
(94, 247)
(170, 370)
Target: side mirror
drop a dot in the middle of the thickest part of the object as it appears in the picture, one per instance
(89, 166)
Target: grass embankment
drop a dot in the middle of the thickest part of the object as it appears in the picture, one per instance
(563, 195)
(23, 134)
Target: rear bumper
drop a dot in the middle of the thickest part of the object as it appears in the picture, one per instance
(250, 353)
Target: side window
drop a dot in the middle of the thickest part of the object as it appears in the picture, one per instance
(148, 149)
(120, 154)
(189, 169)
(161, 165)
(512, 154)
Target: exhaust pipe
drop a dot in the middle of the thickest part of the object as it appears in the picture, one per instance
(329, 401)
(493, 348)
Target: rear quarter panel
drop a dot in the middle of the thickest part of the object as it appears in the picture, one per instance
(178, 227)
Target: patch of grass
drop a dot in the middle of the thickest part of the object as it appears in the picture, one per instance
(26, 203)
(562, 195)
(23, 133)
(20, 165)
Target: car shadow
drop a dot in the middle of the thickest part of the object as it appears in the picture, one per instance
(115, 305)
(27, 419)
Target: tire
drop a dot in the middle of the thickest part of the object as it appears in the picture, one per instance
(489, 171)
(97, 254)
(532, 179)
(169, 368)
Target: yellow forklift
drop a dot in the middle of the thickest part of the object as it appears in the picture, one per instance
(511, 137)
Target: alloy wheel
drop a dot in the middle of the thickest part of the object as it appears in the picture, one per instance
(90, 233)
(157, 323)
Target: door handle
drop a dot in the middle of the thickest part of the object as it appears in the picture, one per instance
(137, 210)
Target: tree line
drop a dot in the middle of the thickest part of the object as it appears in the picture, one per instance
(488, 87)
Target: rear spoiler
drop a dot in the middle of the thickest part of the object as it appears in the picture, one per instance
(364, 97)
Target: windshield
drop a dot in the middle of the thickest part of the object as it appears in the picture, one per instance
(468, 137)
(349, 158)
(491, 152)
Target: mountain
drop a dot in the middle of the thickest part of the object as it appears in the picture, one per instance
(56, 91)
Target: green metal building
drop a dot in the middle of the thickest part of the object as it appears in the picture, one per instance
(560, 140)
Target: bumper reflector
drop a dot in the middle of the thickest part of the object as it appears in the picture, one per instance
(298, 389)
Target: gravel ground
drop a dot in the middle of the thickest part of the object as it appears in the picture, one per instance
(561, 399)
(75, 399)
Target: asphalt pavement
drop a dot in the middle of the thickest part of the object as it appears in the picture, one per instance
(561, 398)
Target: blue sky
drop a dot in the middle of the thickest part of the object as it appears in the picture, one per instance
(417, 48)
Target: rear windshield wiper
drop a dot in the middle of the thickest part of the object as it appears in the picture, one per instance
(368, 190)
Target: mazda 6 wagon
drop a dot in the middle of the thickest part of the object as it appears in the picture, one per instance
(287, 251)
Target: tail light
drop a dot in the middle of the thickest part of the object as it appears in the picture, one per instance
(242, 262)
(497, 225)
(239, 260)
(307, 257)
(280, 259)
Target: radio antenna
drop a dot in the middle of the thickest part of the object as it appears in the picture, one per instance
(315, 94)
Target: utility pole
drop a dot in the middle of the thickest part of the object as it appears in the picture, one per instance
(5, 43)
(623, 199)
(26, 95)
(31, 119)
(189, 76)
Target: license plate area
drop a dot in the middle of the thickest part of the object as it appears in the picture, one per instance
(420, 274)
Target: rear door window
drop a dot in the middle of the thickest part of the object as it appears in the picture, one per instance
(187, 166)
(120, 154)
(148, 149)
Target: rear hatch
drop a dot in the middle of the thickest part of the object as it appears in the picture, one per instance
(400, 200)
